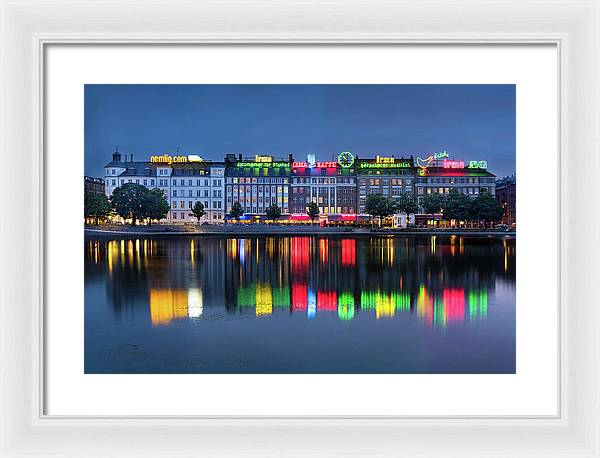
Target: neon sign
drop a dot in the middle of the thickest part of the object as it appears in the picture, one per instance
(384, 165)
(263, 164)
(168, 159)
(478, 164)
(447, 164)
(324, 165)
(424, 164)
(346, 159)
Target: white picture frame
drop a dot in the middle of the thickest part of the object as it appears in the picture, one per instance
(27, 27)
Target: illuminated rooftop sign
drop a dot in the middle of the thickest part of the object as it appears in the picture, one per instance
(447, 164)
(477, 164)
(258, 158)
(306, 164)
(346, 159)
(262, 164)
(382, 162)
(424, 164)
(168, 159)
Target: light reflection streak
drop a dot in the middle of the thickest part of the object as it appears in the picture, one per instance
(296, 288)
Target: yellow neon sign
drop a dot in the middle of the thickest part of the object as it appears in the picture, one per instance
(168, 159)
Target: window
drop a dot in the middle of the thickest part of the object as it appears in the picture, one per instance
(174, 193)
(174, 215)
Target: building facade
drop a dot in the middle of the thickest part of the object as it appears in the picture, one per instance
(184, 182)
(257, 183)
(338, 187)
(388, 176)
(439, 174)
(93, 185)
(506, 194)
(330, 184)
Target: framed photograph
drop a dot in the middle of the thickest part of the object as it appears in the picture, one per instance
(297, 233)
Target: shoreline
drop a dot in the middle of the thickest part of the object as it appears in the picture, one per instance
(296, 230)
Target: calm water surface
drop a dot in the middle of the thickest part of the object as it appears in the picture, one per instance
(384, 304)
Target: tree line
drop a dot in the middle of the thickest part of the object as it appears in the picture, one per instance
(453, 206)
(138, 203)
(130, 201)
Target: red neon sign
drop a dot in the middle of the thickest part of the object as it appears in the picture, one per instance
(324, 165)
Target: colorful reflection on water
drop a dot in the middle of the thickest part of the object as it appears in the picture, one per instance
(436, 283)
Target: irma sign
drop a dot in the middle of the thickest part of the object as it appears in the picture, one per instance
(447, 163)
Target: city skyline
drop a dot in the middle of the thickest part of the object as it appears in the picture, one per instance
(475, 121)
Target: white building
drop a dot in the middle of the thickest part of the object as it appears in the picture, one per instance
(183, 181)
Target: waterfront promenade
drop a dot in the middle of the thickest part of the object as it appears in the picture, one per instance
(267, 230)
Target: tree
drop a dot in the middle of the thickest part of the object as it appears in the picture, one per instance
(457, 206)
(486, 208)
(405, 204)
(433, 203)
(273, 212)
(154, 205)
(236, 211)
(95, 206)
(313, 211)
(379, 206)
(198, 210)
(127, 201)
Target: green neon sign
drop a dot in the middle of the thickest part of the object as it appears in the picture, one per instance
(385, 165)
(263, 164)
(346, 159)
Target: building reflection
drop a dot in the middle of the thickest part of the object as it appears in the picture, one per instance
(437, 280)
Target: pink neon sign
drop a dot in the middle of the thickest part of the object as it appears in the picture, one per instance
(326, 165)
(448, 164)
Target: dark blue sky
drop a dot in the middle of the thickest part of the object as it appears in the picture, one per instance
(472, 122)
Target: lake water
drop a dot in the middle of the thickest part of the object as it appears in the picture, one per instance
(307, 304)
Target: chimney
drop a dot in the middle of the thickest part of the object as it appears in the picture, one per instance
(117, 155)
(132, 158)
(290, 157)
(240, 156)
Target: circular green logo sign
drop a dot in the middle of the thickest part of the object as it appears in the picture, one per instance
(346, 159)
